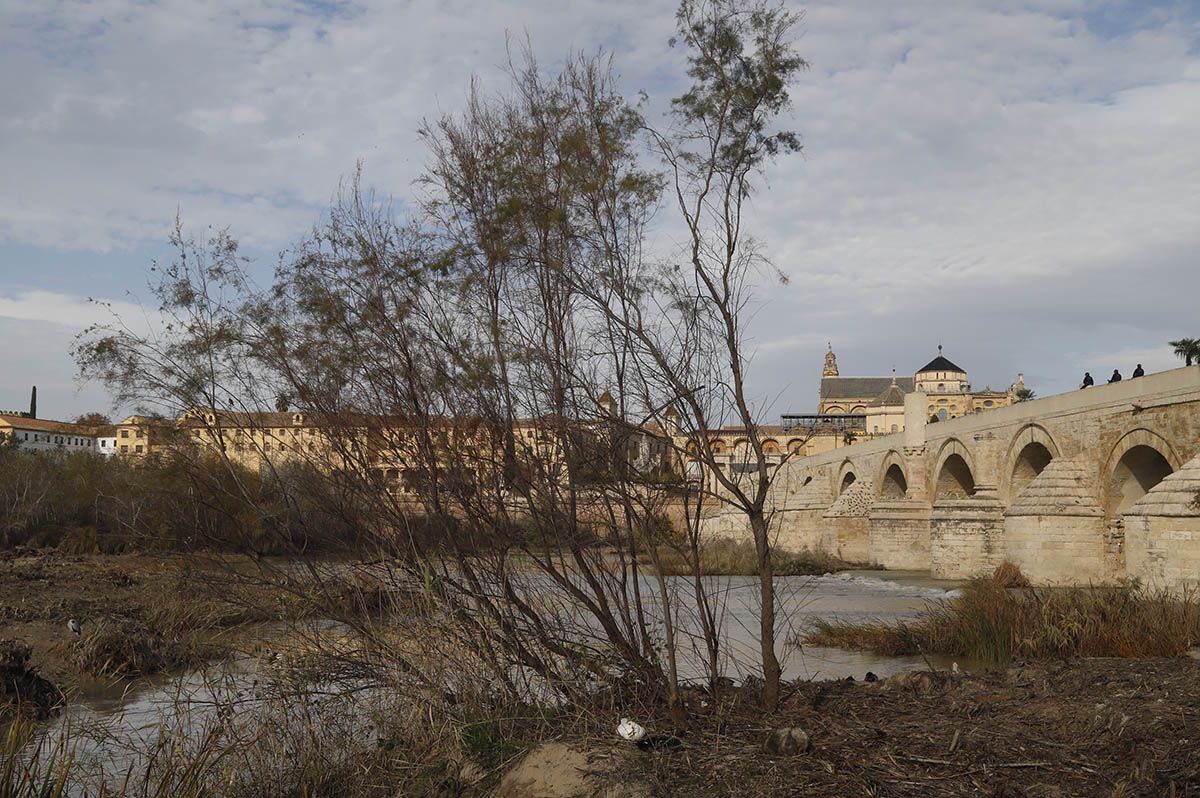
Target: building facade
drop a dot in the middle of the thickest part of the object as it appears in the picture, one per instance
(878, 402)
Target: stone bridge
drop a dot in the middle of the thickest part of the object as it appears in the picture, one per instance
(1092, 486)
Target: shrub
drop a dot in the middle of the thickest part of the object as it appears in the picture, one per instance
(992, 623)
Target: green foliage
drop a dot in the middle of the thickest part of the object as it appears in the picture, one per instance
(740, 60)
(1024, 394)
(1188, 349)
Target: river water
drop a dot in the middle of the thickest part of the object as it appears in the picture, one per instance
(114, 729)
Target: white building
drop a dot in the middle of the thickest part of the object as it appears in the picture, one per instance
(40, 435)
(106, 441)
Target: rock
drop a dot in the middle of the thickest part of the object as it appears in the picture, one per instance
(787, 741)
(918, 681)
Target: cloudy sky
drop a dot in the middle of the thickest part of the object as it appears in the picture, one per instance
(1019, 181)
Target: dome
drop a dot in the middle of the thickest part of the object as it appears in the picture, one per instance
(940, 363)
(892, 395)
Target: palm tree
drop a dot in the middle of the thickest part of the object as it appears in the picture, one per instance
(1188, 349)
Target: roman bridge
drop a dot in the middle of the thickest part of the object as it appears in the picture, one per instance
(1092, 486)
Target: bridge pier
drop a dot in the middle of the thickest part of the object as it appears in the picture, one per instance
(1162, 532)
(845, 533)
(898, 534)
(966, 536)
(803, 520)
(1055, 531)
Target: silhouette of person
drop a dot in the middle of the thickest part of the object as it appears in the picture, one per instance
(1137, 372)
(1088, 382)
(1116, 377)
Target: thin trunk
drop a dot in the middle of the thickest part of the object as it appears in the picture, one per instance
(766, 584)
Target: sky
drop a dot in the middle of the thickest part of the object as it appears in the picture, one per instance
(1018, 181)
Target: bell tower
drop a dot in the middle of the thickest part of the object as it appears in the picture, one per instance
(830, 369)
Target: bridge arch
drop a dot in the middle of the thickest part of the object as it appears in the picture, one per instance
(1137, 462)
(893, 479)
(847, 476)
(954, 474)
(1031, 450)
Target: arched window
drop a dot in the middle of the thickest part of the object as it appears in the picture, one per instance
(942, 414)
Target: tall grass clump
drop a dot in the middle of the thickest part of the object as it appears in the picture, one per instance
(32, 765)
(726, 557)
(994, 623)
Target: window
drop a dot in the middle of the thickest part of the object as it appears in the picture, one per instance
(894, 428)
(941, 386)
(988, 403)
(267, 446)
(124, 448)
(138, 448)
(141, 433)
(124, 433)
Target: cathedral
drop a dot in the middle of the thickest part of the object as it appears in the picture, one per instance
(878, 402)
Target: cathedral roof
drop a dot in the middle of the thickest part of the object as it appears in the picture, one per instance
(861, 387)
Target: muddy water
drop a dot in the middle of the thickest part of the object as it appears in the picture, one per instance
(850, 596)
(114, 728)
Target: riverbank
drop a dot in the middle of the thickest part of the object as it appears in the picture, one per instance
(1107, 727)
(141, 614)
(1096, 727)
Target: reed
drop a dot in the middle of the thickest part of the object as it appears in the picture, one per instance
(993, 623)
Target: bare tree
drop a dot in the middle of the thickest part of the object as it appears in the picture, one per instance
(438, 382)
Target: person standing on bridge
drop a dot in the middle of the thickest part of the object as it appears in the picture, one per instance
(1137, 372)
(1116, 377)
(1088, 382)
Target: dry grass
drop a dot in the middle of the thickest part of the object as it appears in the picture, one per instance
(993, 623)
(723, 557)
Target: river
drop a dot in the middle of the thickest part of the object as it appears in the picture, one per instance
(117, 728)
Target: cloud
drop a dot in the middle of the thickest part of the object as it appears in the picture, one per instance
(68, 310)
(1016, 181)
